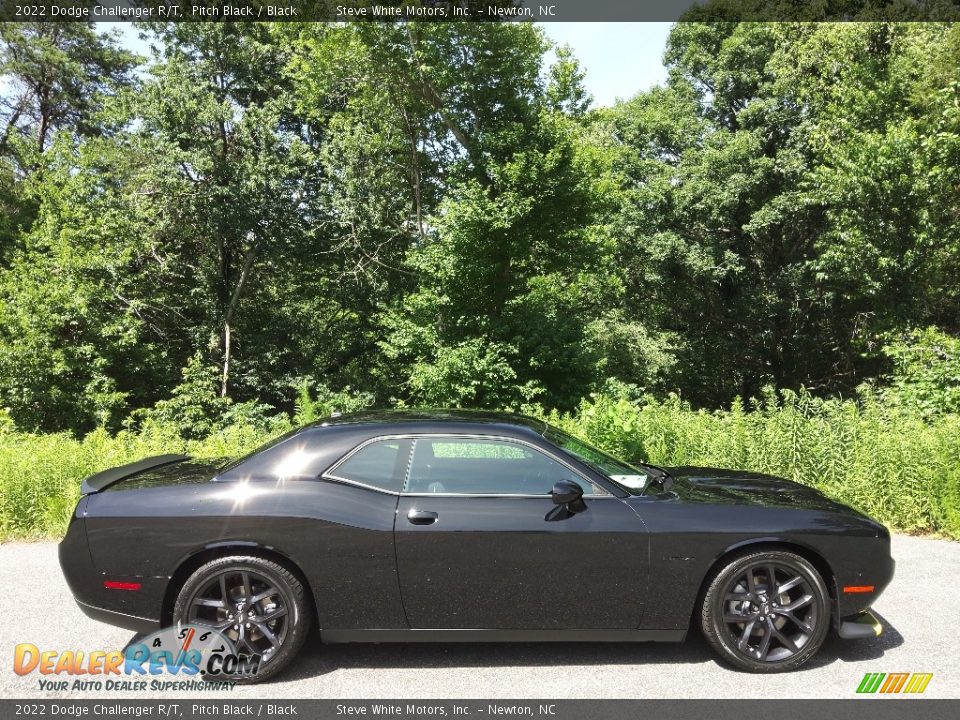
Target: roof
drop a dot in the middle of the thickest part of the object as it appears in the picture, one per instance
(434, 417)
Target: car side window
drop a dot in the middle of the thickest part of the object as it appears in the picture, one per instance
(475, 466)
(379, 464)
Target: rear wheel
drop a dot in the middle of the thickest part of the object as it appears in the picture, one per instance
(256, 603)
(766, 611)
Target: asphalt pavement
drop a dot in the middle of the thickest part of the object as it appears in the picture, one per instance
(920, 610)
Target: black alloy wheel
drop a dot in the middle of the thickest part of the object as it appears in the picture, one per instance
(257, 604)
(767, 612)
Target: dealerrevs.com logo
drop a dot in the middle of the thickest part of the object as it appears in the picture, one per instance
(184, 652)
(892, 683)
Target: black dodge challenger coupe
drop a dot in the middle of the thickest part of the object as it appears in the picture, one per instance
(462, 526)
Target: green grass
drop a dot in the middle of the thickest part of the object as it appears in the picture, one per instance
(894, 465)
(40, 474)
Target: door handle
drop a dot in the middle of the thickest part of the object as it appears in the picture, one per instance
(422, 517)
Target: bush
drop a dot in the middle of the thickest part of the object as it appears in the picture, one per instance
(926, 372)
(197, 410)
(884, 458)
(320, 402)
(40, 474)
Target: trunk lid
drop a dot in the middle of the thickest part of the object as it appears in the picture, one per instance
(167, 469)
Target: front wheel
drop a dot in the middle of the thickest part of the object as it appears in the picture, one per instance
(257, 604)
(766, 612)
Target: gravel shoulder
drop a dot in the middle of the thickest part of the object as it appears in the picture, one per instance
(919, 610)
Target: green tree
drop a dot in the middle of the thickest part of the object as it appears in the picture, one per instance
(74, 316)
(213, 112)
(159, 233)
(53, 77)
(781, 192)
(926, 372)
(498, 234)
(431, 213)
(58, 76)
(56, 82)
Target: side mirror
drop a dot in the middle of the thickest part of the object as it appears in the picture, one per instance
(568, 494)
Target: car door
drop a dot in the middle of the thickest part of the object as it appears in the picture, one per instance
(480, 545)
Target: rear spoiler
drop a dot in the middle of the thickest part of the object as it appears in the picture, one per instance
(104, 478)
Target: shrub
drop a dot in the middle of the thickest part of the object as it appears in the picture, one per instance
(884, 458)
(926, 372)
(196, 408)
(40, 474)
(320, 402)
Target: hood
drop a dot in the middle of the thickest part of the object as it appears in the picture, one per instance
(737, 487)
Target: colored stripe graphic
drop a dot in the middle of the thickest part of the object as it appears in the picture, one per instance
(918, 682)
(894, 682)
(870, 682)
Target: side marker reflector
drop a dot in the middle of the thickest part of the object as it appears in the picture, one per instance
(117, 585)
(858, 588)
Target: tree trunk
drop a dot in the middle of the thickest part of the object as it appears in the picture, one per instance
(229, 313)
(226, 359)
(44, 124)
(430, 94)
(11, 124)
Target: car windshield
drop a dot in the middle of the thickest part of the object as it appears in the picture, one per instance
(630, 478)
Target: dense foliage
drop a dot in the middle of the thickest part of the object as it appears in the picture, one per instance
(434, 214)
(886, 461)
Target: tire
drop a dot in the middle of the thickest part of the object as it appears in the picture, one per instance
(274, 626)
(780, 631)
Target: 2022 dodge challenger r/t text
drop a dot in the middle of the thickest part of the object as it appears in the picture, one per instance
(461, 526)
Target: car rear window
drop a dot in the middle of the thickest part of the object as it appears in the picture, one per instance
(379, 464)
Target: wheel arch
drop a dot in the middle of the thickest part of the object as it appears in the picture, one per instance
(752, 545)
(200, 557)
